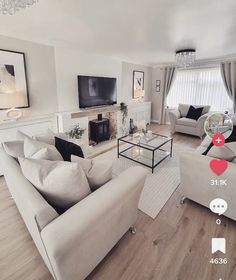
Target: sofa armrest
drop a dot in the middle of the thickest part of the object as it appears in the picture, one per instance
(195, 179)
(81, 237)
(200, 124)
(174, 115)
(203, 118)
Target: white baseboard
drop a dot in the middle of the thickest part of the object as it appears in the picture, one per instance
(155, 121)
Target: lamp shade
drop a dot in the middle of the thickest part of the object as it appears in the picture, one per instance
(11, 100)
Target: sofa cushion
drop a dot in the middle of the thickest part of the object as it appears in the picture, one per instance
(67, 149)
(21, 135)
(183, 108)
(187, 122)
(227, 152)
(14, 148)
(194, 113)
(63, 184)
(98, 171)
(32, 148)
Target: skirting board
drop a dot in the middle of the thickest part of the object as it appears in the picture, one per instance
(155, 121)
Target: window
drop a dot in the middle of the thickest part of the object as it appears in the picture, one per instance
(199, 87)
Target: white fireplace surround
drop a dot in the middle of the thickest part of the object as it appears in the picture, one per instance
(137, 111)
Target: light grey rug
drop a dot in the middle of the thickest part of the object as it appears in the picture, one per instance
(159, 186)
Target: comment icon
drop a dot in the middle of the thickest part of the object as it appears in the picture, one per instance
(218, 206)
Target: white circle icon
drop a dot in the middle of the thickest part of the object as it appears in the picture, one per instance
(218, 206)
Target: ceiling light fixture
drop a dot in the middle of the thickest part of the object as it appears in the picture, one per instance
(186, 57)
(10, 7)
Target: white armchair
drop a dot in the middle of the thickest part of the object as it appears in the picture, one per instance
(179, 122)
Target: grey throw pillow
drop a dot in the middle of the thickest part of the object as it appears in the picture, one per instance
(63, 184)
(98, 171)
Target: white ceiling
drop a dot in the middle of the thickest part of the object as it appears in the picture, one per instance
(141, 31)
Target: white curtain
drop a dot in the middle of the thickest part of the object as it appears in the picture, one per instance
(200, 87)
(228, 72)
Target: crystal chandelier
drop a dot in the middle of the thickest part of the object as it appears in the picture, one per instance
(186, 57)
(10, 7)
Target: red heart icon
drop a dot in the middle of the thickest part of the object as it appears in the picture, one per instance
(218, 166)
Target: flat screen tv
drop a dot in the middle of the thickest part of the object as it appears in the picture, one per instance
(96, 91)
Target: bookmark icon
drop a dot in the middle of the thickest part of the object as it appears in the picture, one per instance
(218, 244)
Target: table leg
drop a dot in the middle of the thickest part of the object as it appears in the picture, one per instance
(171, 148)
(118, 148)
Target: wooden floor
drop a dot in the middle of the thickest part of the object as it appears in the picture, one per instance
(174, 246)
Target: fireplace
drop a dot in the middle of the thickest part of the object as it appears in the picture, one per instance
(99, 130)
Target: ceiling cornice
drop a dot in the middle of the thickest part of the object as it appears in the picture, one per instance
(203, 62)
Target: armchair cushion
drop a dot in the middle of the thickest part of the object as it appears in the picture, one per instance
(183, 108)
(187, 122)
(194, 113)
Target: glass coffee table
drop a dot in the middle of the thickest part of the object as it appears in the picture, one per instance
(148, 150)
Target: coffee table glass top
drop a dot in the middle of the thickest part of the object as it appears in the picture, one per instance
(151, 142)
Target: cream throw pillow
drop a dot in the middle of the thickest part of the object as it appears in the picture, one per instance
(63, 184)
(98, 171)
(32, 147)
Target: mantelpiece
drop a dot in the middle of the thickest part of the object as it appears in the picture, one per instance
(136, 110)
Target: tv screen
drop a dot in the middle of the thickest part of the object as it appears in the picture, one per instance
(96, 91)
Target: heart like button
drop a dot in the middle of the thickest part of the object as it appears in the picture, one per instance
(218, 166)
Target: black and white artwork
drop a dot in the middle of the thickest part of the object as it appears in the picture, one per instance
(158, 85)
(138, 83)
(13, 76)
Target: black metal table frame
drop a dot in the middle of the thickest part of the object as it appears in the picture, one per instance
(153, 150)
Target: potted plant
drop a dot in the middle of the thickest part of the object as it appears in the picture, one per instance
(124, 113)
(76, 133)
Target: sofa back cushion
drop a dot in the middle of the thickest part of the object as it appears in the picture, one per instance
(32, 149)
(63, 184)
(227, 152)
(14, 149)
(184, 108)
(98, 171)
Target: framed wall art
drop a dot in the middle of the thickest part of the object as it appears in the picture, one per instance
(13, 80)
(158, 85)
(138, 83)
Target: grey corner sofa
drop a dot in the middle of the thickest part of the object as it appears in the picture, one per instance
(72, 244)
(196, 176)
(179, 122)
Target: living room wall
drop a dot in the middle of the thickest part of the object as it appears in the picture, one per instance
(40, 66)
(127, 80)
(70, 63)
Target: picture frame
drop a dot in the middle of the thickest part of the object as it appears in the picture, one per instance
(158, 85)
(138, 83)
(13, 75)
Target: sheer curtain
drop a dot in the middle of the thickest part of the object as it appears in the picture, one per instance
(200, 87)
